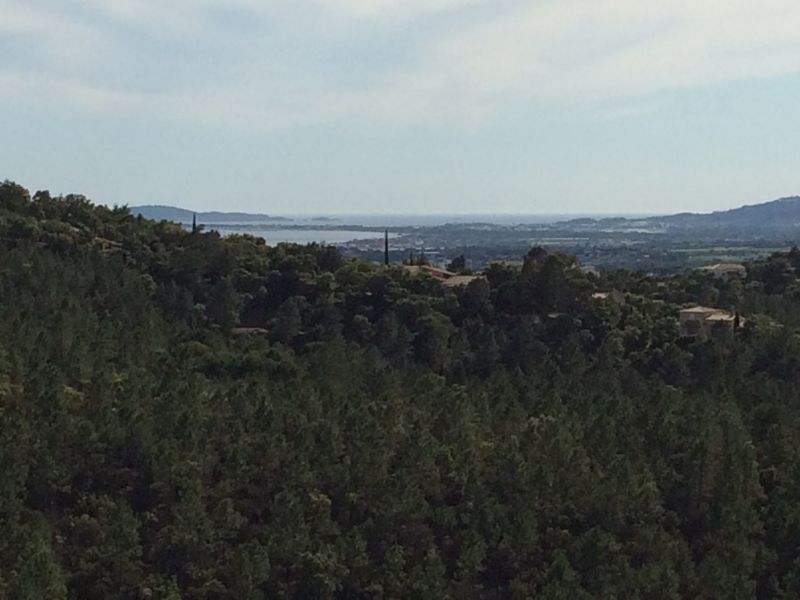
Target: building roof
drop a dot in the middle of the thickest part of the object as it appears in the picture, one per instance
(721, 317)
(517, 264)
(457, 280)
(249, 331)
(702, 310)
(437, 272)
(711, 315)
(443, 276)
(722, 267)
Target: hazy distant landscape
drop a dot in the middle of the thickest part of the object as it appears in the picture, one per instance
(660, 243)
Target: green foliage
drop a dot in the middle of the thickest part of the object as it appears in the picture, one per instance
(189, 416)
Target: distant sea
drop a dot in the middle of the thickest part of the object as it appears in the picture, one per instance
(333, 228)
(432, 220)
(274, 235)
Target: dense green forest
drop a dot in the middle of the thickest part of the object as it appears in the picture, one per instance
(189, 416)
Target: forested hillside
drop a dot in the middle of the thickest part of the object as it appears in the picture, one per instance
(195, 417)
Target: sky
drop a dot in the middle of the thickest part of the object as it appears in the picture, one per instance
(404, 106)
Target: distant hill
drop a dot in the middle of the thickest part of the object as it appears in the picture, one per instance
(781, 214)
(181, 215)
(776, 216)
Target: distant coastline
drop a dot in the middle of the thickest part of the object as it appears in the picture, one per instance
(181, 215)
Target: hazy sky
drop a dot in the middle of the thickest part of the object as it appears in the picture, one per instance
(443, 106)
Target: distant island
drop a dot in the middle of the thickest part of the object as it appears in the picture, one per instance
(181, 215)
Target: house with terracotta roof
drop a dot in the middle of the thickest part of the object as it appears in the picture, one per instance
(459, 280)
(726, 271)
(445, 277)
(705, 321)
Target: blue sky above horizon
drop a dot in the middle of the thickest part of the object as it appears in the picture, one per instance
(404, 106)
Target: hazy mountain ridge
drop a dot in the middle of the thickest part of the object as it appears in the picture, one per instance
(783, 213)
(160, 212)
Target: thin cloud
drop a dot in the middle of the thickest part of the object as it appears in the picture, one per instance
(472, 61)
(48, 32)
(396, 8)
(608, 48)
